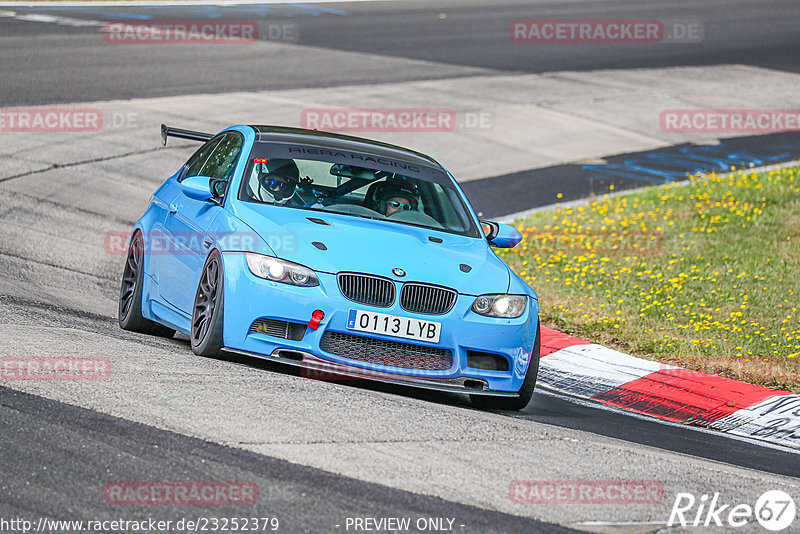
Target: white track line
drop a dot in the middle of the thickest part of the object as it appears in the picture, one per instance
(55, 19)
(178, 3)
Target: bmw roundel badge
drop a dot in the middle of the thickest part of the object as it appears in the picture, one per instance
(397, 271)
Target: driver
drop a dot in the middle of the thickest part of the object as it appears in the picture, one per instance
(398, 194)
(280, 178)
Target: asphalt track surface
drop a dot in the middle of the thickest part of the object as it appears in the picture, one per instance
(56, 456)
(45, 63)
(91, 446)
(499, 196)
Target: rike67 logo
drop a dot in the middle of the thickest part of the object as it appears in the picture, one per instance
(774, 510)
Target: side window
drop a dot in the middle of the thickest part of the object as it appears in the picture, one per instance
(198, 159)
(222, 161)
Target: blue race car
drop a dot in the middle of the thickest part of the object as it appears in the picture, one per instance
(337, 254)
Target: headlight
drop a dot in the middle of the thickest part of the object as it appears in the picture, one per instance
(506, 306)
(279, 270)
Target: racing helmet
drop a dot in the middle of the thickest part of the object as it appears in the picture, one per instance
(279, 176)
(397, 186)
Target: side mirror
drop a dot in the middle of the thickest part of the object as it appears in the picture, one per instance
(501, 235)
(197, 187)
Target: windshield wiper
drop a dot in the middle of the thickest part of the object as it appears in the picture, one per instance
(308, 208)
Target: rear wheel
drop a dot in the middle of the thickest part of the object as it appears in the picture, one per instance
(206, 334)
(130, 294)
(485, 402)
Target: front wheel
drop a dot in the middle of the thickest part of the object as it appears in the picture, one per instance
(485, 402)
(206, 334)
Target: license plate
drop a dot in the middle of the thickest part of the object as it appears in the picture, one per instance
(392, 325)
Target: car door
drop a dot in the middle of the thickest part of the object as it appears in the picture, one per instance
(159, 244)
(188, 220)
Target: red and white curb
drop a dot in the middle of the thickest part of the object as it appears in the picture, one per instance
(579, 368)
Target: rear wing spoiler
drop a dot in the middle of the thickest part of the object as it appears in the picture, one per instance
(168, 131)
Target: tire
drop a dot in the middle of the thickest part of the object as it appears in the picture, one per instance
(130, 294)
(207, 312)
(485, 402)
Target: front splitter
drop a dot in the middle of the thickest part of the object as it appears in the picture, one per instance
(319, 369)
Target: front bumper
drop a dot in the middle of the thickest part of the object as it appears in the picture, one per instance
(248, 298)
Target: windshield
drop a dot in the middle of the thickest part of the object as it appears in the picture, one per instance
(327, 180)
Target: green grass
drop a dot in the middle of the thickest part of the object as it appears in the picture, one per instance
(704, 275)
